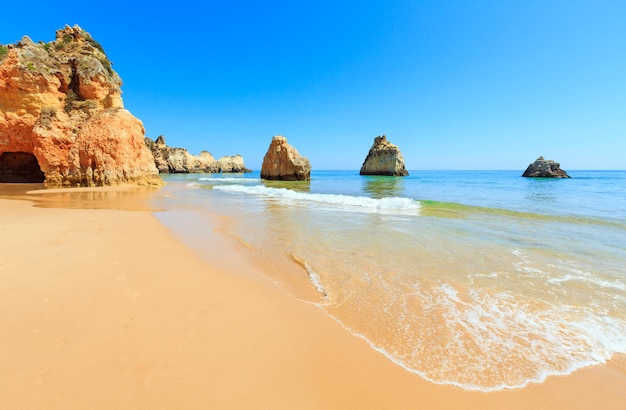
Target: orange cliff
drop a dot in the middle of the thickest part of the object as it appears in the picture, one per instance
(62, 119)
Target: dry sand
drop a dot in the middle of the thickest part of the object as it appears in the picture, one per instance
(106, 309)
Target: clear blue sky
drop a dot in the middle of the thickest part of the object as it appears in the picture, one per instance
(472, 84)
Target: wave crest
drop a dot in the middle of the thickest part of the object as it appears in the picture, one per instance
(228, 179)
(355, 203)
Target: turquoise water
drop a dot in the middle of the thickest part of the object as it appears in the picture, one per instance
(480, 279)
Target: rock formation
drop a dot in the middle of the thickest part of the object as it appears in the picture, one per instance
(179, 160)
(283, 162)
(384, 158)
(545, 168)
(62, 119)
(232, 163)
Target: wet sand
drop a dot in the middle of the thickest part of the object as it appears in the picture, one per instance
(106, 309)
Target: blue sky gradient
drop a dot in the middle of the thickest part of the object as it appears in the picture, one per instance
(479, 84)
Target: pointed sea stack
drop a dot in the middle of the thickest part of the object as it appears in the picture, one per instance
(384, 158)
(284, 162)
(545, 168)
(64, 121)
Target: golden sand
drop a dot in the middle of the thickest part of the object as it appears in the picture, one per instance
(105, 309)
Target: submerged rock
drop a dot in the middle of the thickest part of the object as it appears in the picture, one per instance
(179, 160)
(545, 168)
(63, 115)
(384, 158)
(284, 162)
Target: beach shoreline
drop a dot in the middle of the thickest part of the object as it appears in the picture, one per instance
(107, 308)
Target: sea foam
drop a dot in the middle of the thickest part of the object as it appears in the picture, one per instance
(314, 278)
(346, 202)
(489, 342)
(228, 179)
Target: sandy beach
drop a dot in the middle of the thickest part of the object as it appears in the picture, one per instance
(106, 309)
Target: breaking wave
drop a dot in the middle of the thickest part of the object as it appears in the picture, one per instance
(354, 203)
(228, 179)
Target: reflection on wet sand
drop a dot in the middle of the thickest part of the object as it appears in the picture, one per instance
(131, 198)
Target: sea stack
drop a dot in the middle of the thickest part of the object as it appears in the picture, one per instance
(545, 168)
(64, 121)
(283, 162)
(384, 158)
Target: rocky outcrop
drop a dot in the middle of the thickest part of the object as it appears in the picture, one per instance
(61, 111)
(232, 163)
(545, 168)
(384, 158)
(179, 160)
(284, 162)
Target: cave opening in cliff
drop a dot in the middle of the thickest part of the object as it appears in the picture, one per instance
(74, 81)
(20, 167)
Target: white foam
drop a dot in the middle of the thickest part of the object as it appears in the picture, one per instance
(556, 340)
(358, 203)
(518, 343)
(587, 278)
(315, 280)
(228, 179)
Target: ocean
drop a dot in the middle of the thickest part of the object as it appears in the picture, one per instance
(480, 279)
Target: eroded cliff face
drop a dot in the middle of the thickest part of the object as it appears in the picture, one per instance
(179, 160)
(384, 158)
(60, 102)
